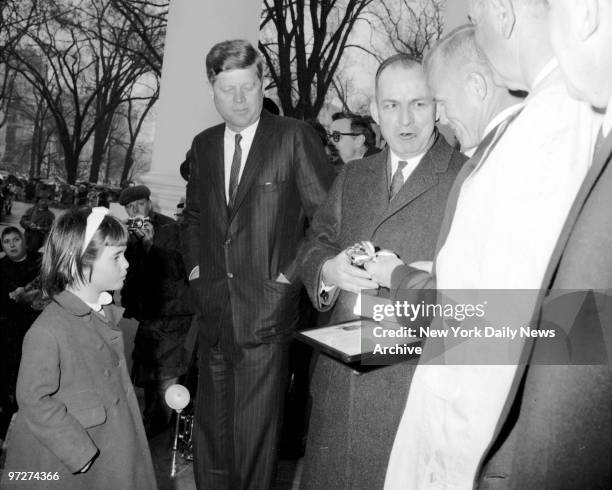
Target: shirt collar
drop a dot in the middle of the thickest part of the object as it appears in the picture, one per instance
(546, 70)
(502, 116)
(607, 121)
(247, 133)
(104, 299)
(412, 161)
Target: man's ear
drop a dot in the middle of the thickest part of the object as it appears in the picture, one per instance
(477, 84)
(361, 139)
(503, 11)
(209, 86)
(374, 110)
(586, 17)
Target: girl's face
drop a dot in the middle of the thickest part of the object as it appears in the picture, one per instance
(109, 269)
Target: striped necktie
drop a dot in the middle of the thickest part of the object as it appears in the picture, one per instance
(398, 179)
(234, 172)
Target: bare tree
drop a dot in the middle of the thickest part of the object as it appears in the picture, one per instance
(82, 77)
(302, 43)
(148, 19)
(135, 119)
(409, 26)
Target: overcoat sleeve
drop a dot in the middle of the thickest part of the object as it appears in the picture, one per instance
(322, 242)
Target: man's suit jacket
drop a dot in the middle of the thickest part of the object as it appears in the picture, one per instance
(358, 208)
(556, 428)
(241, 253)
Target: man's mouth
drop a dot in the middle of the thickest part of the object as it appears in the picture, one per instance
(406, 135)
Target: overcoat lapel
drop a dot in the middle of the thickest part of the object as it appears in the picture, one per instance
(262, 138)
(424, 177)
(374, 183)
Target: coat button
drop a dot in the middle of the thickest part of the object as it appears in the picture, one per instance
(228, 241)
(230, 275)
(107, 372)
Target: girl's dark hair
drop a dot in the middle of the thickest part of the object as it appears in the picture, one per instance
(64, 263)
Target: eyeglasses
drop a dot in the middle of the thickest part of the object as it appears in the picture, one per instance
(336, 135)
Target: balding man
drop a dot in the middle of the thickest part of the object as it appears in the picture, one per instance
(474, 107)
(466, 96)
(507, 221)
(395, 199)
(558, 428)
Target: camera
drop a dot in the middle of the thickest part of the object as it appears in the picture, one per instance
(136, 223)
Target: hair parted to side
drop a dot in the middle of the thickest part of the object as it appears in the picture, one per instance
(64, 264)
(403, 59)
(458, 48)
(359, 124)
(232, 55)
(11, 230)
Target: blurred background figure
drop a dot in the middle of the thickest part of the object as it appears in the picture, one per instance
(155, 293)
(20, 304)
(37, 222)
(352, 136)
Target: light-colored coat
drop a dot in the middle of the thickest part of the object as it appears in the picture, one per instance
(76, 400)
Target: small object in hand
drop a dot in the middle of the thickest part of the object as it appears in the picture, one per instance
(361, 252)
(136, 223)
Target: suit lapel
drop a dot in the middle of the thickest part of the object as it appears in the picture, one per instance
(216, 173)
(602, 157)
(261, 140)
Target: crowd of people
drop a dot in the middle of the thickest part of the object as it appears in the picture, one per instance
(521, 204)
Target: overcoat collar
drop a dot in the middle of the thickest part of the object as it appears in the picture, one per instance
(74, 305)
(424, 177)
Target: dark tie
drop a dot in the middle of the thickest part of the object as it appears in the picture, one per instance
(234, 172)
(398, 179)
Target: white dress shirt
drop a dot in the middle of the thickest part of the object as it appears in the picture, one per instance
(411, 164)
(509, 215)
(229, 145)
(607, 122)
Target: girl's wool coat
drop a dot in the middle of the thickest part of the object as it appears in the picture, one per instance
(76, 401)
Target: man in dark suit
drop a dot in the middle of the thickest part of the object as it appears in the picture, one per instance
(556, 429)
(252, 182)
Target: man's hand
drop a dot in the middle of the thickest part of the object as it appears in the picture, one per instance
(381, 268)
(146, 234)
(339, 272)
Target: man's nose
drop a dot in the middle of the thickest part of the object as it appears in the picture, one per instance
(239, 95)
(406, 116)
(441, 115)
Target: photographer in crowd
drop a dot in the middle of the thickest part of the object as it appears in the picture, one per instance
(155, 294)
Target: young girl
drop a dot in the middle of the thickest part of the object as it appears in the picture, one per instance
(78, 424)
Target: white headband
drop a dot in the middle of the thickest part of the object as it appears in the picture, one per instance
(93, 223)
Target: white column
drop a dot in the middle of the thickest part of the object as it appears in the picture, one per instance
(185, 108)
(455, 14)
